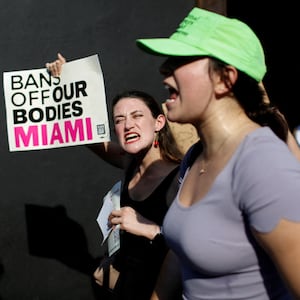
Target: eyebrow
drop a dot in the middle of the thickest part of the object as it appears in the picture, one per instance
(132, 113)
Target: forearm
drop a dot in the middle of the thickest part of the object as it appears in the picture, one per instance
(111, 152)
(293, 145)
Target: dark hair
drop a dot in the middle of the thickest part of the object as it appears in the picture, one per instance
(167, 143)
(252, 97)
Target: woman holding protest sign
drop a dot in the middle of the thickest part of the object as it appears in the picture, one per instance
(148, 153)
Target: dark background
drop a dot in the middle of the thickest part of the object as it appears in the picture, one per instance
(50, 242)
(276, 24)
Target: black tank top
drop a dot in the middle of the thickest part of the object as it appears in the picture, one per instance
(139, 260)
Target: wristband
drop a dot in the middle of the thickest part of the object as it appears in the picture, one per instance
(158, 237)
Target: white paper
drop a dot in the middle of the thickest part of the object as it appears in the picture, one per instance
(46, 112)
(111, 201)
(113, 241)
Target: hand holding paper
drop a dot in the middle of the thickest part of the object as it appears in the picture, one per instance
(111, 201)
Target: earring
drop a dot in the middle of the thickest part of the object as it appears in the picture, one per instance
(156, 142)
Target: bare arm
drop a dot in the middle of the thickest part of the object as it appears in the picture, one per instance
(283, 245)
(168, 285)
(293, 145)
(111, 152)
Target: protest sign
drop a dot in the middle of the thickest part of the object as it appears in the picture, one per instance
(50, 112)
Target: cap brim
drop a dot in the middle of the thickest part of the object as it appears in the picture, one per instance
(168, 47)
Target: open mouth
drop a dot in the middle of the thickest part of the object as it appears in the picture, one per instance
(173, 93)
(131, 137)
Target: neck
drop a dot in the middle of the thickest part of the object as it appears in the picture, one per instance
(144, 161)
(222, 128)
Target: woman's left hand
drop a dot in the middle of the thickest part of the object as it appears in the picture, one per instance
(133, 222)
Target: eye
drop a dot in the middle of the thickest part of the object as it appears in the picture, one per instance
(138, 115)
(166, 70)
(118, 120)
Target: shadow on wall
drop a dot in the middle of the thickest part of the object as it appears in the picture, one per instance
(52, 234)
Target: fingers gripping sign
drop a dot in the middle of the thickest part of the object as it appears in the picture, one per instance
(55, 67)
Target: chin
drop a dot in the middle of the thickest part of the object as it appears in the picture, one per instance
(132, 149)
(172, 118)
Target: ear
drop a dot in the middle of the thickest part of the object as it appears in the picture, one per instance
(224, 83)
(160, 122)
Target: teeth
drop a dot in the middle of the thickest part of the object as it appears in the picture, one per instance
(131, 136)
(169, 100)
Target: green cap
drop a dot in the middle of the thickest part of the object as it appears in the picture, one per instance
(204, 33)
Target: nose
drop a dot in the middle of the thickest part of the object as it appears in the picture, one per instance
(129, 123)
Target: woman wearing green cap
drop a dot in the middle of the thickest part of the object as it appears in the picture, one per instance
(235, 222)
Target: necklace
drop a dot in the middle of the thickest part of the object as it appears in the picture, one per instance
(205, 164)
(202, 169)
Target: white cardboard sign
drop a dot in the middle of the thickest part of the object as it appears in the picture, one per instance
(46, 112)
